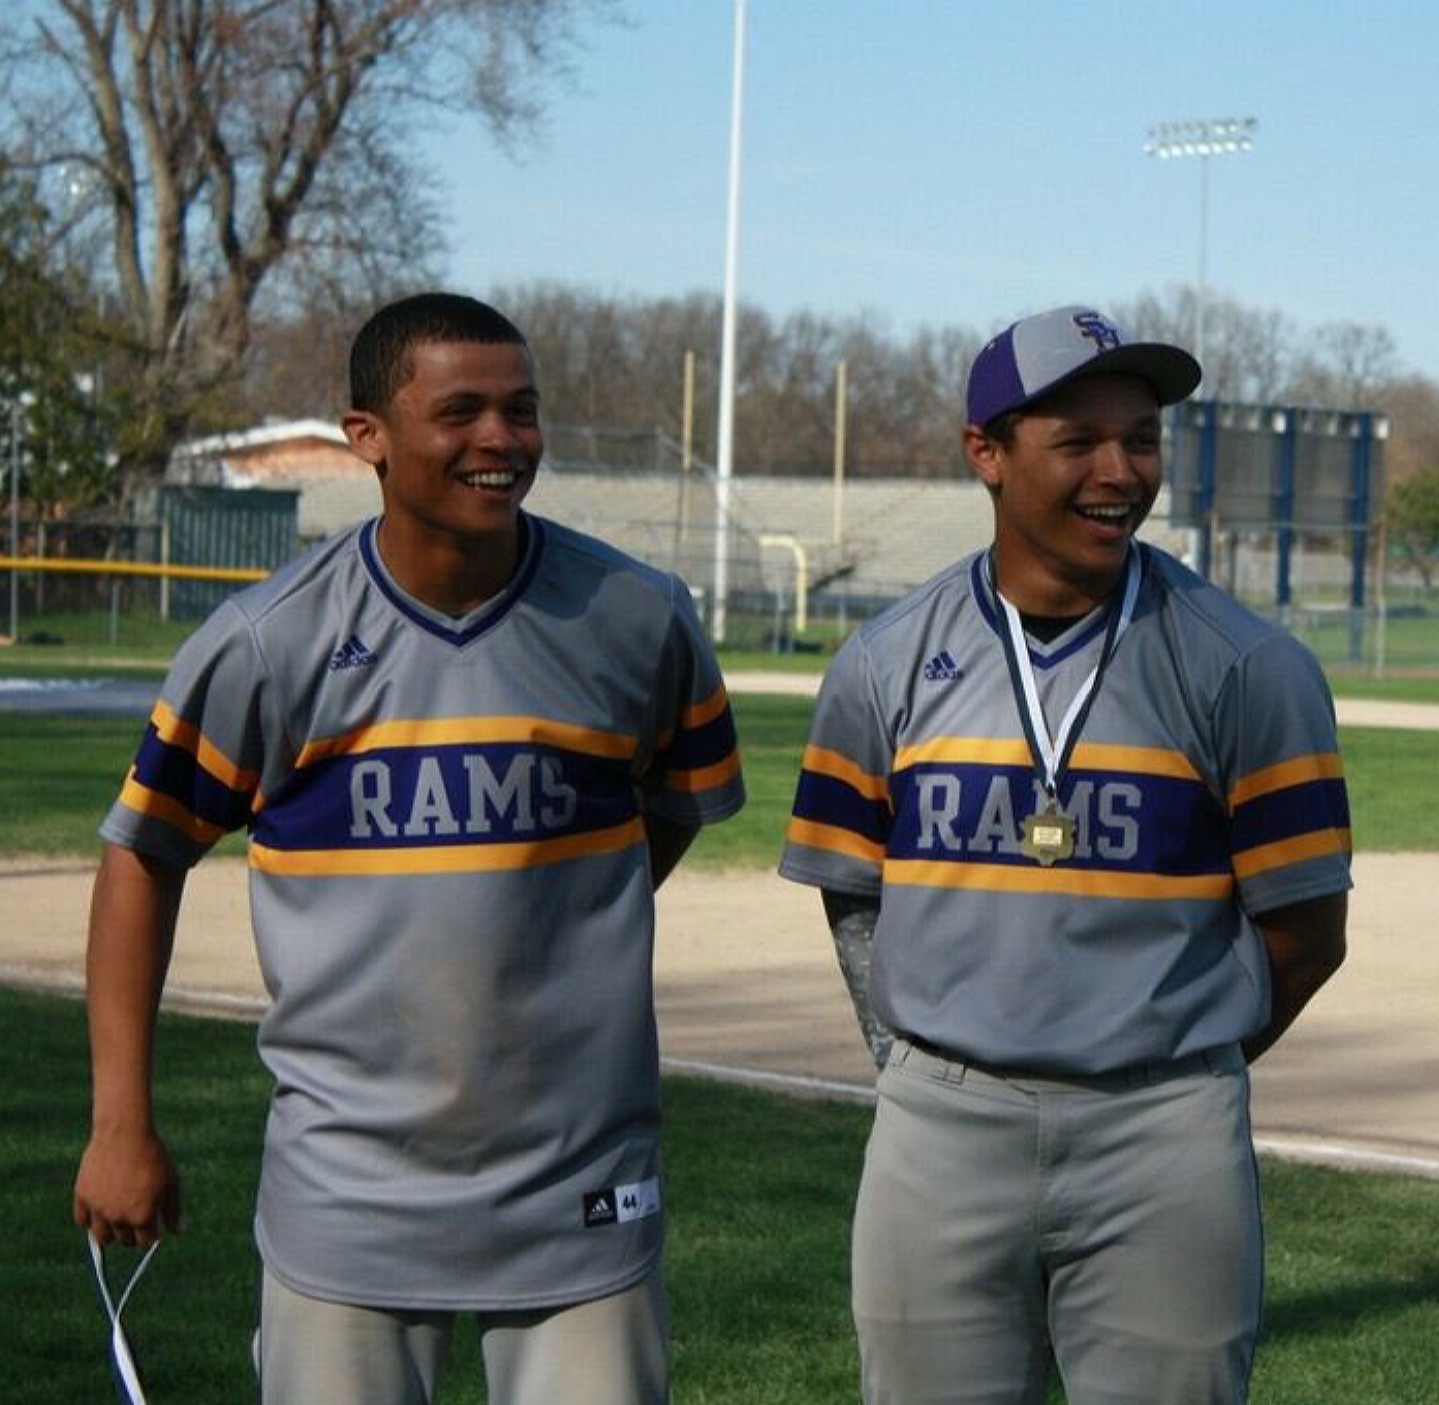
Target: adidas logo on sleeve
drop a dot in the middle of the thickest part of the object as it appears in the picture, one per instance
(351, 654)
(941, 668)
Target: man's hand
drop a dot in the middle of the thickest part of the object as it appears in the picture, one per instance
(127, 1190)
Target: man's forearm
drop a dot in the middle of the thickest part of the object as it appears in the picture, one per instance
(851, 923)
(1305, 945)
(127, 1190)
(132, 926)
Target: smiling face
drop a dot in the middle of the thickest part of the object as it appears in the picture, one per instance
(1070, 488)
(456, 448)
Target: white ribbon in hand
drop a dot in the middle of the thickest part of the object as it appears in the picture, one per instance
(119, 1347)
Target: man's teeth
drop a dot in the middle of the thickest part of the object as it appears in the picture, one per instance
(488, 480)
(1106, 514)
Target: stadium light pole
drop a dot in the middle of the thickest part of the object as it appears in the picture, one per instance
(724, 449)
(1218, 136)
(19, 407)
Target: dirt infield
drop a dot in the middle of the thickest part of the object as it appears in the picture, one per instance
(746, 983)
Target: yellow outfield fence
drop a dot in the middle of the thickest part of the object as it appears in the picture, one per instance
(70, 566)
(44, 599)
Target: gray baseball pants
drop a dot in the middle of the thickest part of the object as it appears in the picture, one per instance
(609, 1351)
(1107, 1225)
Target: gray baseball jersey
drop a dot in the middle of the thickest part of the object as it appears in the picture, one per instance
(452, 906)
(1205, 787)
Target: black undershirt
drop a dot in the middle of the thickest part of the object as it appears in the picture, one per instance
(1048, 627)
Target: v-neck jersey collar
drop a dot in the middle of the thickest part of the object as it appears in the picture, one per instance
(1044, 655)
(478, 621)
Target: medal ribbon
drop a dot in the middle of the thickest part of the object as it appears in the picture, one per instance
(1051, 754)
(129, 1376)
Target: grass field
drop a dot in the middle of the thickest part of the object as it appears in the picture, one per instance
(141, 642)
(760, 1190)
(760, 1187)
(58, 776)
(1410, 641)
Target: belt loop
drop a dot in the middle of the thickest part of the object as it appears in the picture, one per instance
(936, 1063)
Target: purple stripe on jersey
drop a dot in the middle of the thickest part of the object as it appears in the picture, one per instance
(1126, 822)
(829, 801)
(534, 535)
(1289, 813)
(496, 793)
(176, 773)
(979, 591)
(694, 748)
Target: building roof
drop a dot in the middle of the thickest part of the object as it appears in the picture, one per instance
(262, 436)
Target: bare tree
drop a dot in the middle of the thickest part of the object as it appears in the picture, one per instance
(1412, 404)
(613, 368)
(49, 386)
(1347, 365)
(225, 149)
(1249, 353)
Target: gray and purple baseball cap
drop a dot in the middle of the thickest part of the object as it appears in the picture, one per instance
(1039, 354)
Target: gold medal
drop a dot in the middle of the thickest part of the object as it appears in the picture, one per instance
(1048, 836)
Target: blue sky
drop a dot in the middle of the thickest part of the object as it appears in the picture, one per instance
(947, 162)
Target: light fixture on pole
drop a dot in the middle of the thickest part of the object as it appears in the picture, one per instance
(724, 447)
(1218, 136)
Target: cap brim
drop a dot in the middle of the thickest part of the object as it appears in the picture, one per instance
(1172, 372)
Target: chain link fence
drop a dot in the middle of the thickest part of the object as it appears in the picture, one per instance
(805, 559)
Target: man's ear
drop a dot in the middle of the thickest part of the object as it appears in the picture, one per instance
(366, 434)
(985, 456)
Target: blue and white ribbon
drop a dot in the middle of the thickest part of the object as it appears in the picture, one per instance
(124, 1361)
(1051, 753)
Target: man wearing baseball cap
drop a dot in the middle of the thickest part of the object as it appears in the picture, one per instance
(1081, 830)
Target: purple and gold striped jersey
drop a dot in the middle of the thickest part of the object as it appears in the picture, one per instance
(1205, 788)
(452, 905)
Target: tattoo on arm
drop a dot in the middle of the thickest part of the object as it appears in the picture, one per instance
(851, 923)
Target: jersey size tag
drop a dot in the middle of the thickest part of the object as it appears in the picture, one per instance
(620, 1204)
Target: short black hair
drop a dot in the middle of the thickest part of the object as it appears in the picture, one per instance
(380, 356)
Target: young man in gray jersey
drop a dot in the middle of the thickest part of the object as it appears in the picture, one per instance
(467, 744)
(1081, 832)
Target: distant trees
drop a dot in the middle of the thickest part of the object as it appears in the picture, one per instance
(199, 199)
(621, 363)
(618, 363)
(195, 157)
(1412, 403)
(1413, 509)
(55, 420)
(1260, 356)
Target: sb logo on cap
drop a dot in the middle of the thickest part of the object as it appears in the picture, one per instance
(1099, 329)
